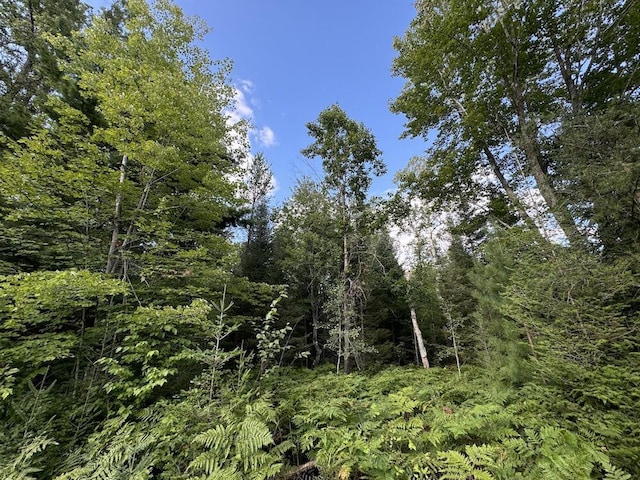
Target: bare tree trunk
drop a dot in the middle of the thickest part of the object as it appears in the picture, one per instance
(446, 307)
(315, 324)
(346, 314)
(455, 343)
(113, 245)
(419, 339)
(346, 333)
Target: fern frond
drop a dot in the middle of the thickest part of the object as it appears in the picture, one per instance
(251, 437)
(456, 466)
(206, 462)
(615, 473)
(215, 438)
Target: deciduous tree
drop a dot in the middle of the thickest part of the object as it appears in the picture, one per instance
(349, 157)
(495, 79)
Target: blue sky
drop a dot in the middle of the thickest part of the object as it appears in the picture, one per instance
(293, 58)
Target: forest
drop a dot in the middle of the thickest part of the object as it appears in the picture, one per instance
(162, 319)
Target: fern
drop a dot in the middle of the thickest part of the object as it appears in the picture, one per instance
(457, 466)
(217, 439)
(21, 466)
(241, 447)
(252, 436)
(614, 473)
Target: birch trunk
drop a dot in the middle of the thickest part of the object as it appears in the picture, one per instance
(113, 245)
(346, 314)
(419, 339)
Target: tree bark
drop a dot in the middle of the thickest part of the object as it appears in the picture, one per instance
(419, 339)
(113, 245)
(346, 314)
(533, 154)
(511, 194)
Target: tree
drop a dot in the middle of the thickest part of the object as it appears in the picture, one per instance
(28, 62)
(307, 253)
(457, 295)
(495, 79)
(431, 313)
(259, 183)
(499, 344)
(384, 322)
(131, 213)
(159, 157)
(256, 255)
(349, 157)
(145, 84)
(599, 170)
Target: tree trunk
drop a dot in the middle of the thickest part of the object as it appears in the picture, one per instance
(346, 314)
(511, 194)
(113, 245)
(315, 323)
(445, 305)
(531, 148)
(455, 344)
(564, 64)
(495, 168)
(419, 339)
(128, 237)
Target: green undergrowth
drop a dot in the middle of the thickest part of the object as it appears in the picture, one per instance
(409, 423)
(398, 423)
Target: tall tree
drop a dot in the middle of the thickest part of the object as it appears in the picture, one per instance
(151, 181)
(349, 157)
(495, 79)
(256, 255)
(130, 212)
(28, 62)
(307, 253)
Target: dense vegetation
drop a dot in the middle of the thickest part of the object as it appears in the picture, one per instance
(140, 340)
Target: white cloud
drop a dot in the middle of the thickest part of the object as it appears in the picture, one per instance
(240, 140)
(266, 137)
(240, 115)
(247, 86)
(242, 108)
